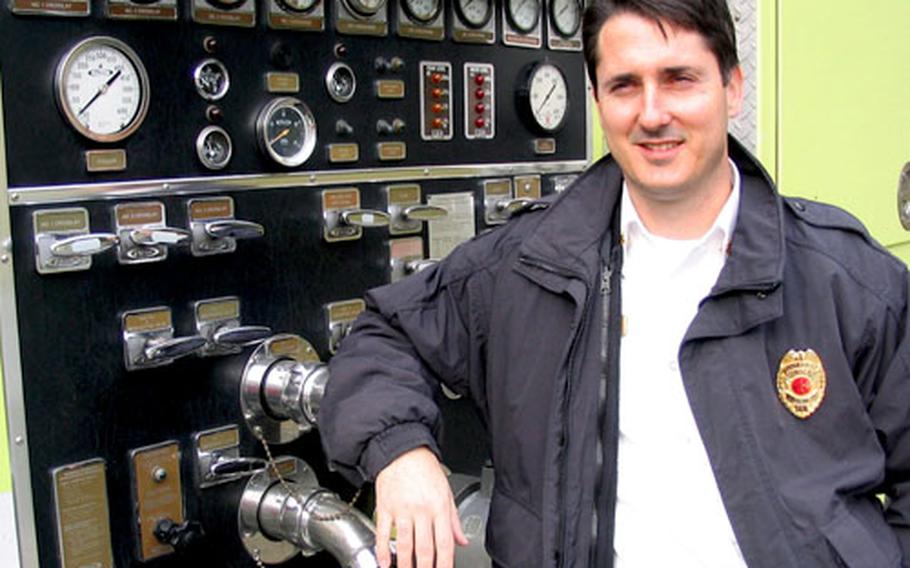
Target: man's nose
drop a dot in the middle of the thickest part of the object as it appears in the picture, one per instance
(654, 113)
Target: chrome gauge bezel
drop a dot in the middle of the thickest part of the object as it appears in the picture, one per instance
(523, 27)
(198, 79)
(466, 20)
(308, 6)
(64, 67)
(309, 142)
(556, 4)
(359, 9)
(200, 147)
(412, 13)
(329, 81)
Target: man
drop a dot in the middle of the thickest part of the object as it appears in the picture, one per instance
(743, 403)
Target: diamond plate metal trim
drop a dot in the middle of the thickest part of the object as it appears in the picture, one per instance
(745, 17)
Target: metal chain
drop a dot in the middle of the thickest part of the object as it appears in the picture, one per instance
(257, 558)
(284, 484)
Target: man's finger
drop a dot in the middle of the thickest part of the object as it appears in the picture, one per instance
(424, 547)
(445, 546)
(383, 530)
(404, 541)
(457, 531)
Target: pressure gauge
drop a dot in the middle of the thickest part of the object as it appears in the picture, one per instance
(523, 14)
(298, 6)
(287, 131)
(211, 79)
(226, 4)
(422, 11)
(566, 16)
(340, 82)
(214, 147)
(474, 13)
(364, 8)
(545, 97)
(102, 89)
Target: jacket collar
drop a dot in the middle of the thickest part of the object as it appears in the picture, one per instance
(570, 233)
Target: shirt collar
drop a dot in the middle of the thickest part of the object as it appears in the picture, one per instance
(725, 222)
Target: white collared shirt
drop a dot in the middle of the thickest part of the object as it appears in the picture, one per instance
(669, 510)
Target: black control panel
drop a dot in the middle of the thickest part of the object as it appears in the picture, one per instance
(197, 195)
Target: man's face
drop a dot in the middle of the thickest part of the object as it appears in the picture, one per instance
(664, 107)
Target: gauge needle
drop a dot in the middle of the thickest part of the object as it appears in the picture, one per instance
(469, 3)
(101, 90)
(280, 135)
(547, 98)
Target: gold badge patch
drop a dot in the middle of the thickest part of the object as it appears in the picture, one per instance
(801, 382)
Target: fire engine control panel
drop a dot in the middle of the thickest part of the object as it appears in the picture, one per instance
(196, 195)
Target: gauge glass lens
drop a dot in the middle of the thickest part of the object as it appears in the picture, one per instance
(423, 11)
(299, 6)
(548, 96)
(102, 88)
(523, 14)
(474, 13)
(214, 147)
(365, 8)
(566, 16)
(226, 4)
(341, 82)
(287, 131)
(212, 79)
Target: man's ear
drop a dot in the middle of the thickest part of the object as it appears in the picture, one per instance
(734, 90)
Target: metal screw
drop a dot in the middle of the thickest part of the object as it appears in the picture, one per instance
(20, 440)
(4, 259)
(159, 474)
(14, 197)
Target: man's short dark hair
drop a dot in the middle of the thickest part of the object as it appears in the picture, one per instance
(709, 18)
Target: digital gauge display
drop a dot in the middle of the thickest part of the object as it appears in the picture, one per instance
(102, 89)
(287, 131)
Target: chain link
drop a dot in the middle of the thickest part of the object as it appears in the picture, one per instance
(257, 558)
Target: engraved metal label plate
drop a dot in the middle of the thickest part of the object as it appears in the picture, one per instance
(51, 7)
(126, 10)
(339, 317)
(157, 494)
(83, 518)
(390, 88)
(392, 151)
(344, 153)
(527, 187)
(401, 252)
(457, 227)
(495, 192)
(105, 160)
(282, 82)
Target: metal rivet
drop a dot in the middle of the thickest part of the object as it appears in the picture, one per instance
(312, 177)
(14, 197)
(159, 474)
(20, 440)
(165, 186)
(4, 259)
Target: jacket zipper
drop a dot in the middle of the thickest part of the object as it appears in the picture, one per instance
(560, 526)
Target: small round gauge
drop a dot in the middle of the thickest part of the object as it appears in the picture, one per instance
(287, 131)
(214, 147)
(474, 13)
(212, 79)
(422, 11)
(566, 16)
(364, 8)
(523, 14)
(545, 97)
(102, 89)
(340, 82)
(226, 4)
(298, 6)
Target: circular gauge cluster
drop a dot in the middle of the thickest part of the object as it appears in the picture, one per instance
(474, 13)
(422, 11)
(364, 8)
(523, 14)
(102, 89)
(340, 82)
(214, 147)
(211, 79)
(566, 16)
(286, 130)
(545, 97)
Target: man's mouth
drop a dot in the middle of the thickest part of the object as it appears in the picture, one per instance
(660, 146)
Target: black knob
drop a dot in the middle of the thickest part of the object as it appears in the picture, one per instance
(281, 56)
(181, 536)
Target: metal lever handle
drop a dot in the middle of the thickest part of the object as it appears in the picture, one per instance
(160, 236)
(425, 212)
(84, 245)
(234, 466)
(234, 229)
(510, 206)
(174, 348)
(365, 218)
(415, 266)
(242, 335)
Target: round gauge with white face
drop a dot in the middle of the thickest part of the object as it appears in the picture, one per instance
(474, 13)
(214, 147)
(102, 89)
(422, 11)
(211, 79)
(226, 4)
(566, 16)
(523, 14)
(546, 97)
(364, 8)
(287, 131)
(298, 6)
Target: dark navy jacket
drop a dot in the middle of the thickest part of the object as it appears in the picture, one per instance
(513, 319)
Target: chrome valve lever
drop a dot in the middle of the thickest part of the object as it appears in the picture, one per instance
(234, 229)
(161, 350)
(424, 213)
(233, 468)
(510, 206)
(417, 265)
(368, 218)
(84, 245)
(241, 336)
(168, 236)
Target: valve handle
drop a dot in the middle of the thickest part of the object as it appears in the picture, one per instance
(234, 229)
(160, 236)
(425, 212)
(242, 335)
(84, 245)
(174, 348)
(510, 206)
(365, 218)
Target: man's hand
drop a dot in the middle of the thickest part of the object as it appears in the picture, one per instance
(413, 494)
